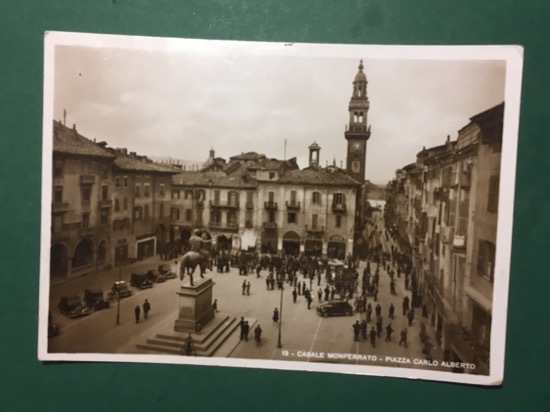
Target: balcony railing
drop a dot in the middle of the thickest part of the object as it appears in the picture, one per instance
(270, 205)
(58, 207)
(199, 203)
(459, 241)
(339, 207)
(228, 226)
(84, 231)
(87, 179)
(315, 229)
(249, 205)
(105, 203)
(292, 204)
(270, 225)
(228, 205)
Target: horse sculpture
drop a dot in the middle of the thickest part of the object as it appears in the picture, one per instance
(189, 263)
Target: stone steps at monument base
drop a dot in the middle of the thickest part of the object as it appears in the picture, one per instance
(197, 338)
(206, 346)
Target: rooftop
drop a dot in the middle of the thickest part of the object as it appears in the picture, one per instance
(69, 141)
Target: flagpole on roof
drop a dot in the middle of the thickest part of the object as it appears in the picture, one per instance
(284, 155)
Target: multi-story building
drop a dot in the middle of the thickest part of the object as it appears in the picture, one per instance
(451, 195)
(108, 206)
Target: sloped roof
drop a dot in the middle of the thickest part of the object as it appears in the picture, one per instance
(141, 164)
(69, 141)
(318, 178)
(220, 179)
(185, 177)
(247, 156)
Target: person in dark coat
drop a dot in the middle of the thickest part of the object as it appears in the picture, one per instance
(275, 315)
(405, 305)
(403, 339)
(309, 300)
(146, 309)
(248, 288)
(320, 294)
(294, 295)
(372, 337)
(410, 316)
(244, 287)
(258, 269)
(327, 292)
(391, 311)
(299, 288)
(378, 310)
(332, 292)
(364, 329)
(389, 331)
(369, 312)
(241, 326)
(137, 312)
(379, 326)
(356, 331)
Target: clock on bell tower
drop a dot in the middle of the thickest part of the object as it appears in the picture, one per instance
(357, 132)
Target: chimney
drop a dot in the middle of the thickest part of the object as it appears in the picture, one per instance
(448, 139)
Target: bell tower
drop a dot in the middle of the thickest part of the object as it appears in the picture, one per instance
(357, 131)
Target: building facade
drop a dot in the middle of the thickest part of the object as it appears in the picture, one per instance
(446, 206)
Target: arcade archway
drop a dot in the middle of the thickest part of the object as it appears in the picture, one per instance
(336, 248)
(59, 261)
(313, 247)
(269, 241)
(102, 251)
(291, 243)
(83, 254)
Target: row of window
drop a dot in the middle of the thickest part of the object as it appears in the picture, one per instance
(143, 212)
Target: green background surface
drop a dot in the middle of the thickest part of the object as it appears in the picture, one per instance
(28, 384)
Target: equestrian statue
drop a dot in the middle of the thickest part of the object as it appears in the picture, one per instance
(198, 255)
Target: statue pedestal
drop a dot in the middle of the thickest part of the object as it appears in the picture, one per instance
(195, 306)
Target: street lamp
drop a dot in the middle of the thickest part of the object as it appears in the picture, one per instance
(279, 344)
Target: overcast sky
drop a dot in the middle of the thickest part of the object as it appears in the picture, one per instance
(182, 104)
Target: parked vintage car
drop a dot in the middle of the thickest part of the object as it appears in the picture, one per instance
(335, 308)
(93, 296)
(72, 306)
(155, 276)
(120, 288)
(167, 271)
(140, 280)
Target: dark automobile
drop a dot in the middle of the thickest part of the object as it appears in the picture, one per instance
(120, 288)
(335, 308)
(167, 271)
(93, 296)
(155, 276)
(72, 306)
(140, 280)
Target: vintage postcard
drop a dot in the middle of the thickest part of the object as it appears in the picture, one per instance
(336, 208)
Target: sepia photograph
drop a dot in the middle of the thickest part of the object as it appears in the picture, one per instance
(314, 207)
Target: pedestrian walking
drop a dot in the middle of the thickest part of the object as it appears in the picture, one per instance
(320, 294)
(275, 315)
(248, 288)
(244, 287)
(410, 316)
(403, 339)
(309, 300)
(372, 337)
(258, 334)
(258, 269)
(327, 292)
(332, 292)
(364, 329)
(299, 288)
(405, 305)
(146, 309)
(294, 295)
(391, 311)
(369, 312)
(356, 331)
(379, 327)
(215, 305)
(137, 312)
(389, 331)
(241, 326)
(378, 310)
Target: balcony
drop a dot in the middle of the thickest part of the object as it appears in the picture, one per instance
(270, 225)
(199, 203)
(249, 205)
(87, 179)
(224, 205)
(465, 179)
(292, 205)
(105, 203)
(315, 229)
(270, 205)
(459, 241)
(60, 207)
(227, 227)
(86, 231)
(339, 208)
